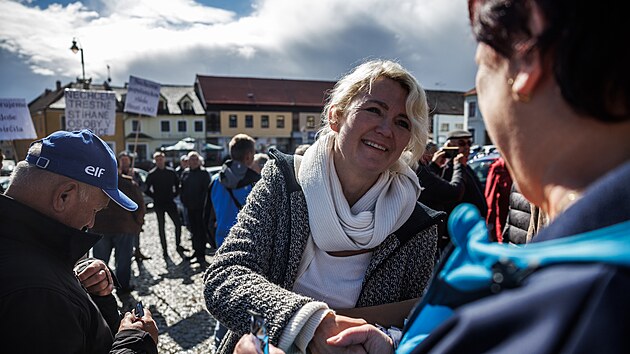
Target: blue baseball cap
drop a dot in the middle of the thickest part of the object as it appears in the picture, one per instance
(84, 157)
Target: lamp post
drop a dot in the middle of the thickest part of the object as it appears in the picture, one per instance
(74, 50)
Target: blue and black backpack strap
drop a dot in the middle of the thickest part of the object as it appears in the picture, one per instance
(477, 268)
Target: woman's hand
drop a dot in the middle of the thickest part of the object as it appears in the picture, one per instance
(369, 337)
(249, 344)
(330, 326)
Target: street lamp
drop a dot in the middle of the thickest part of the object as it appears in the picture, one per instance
(74, 50)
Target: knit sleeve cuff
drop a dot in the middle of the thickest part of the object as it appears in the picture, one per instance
(301, 327)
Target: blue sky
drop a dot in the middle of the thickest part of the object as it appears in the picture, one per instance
(172, 41)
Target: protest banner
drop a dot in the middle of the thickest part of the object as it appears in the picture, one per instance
(15, 120)
(142, 96)
(91, 109)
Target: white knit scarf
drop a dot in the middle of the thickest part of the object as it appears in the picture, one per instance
(381, 210)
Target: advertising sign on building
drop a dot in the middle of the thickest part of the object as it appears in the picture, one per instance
(91, 109)
(143, 96)
(15, 120)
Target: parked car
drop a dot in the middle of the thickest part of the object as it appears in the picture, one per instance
(481, 166)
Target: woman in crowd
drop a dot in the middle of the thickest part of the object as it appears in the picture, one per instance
(340, 239)
(555, 97)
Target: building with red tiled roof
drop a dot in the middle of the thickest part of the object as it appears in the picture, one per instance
(276, 112)
(262, 107)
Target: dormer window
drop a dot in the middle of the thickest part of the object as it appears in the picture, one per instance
(187, 106)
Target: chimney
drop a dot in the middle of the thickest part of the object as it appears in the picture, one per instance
(58, 85)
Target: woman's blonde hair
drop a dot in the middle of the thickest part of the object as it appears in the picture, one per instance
(360, 80)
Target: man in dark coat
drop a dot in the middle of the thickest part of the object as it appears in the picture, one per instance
(473, 190)
(194, 186)
(45, 304)
(163, 186)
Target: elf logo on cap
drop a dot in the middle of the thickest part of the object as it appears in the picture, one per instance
(94, 171)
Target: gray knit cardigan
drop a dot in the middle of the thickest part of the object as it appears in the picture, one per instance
(257, 264)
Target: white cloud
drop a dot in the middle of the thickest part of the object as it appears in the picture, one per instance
(171, 41)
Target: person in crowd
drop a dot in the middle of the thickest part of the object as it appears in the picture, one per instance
(46, 306)
(473, 189)
(524, 219)
(337, 236)
(163, 186)
(125, 163)
(548, 85)
(260, 159)
(194, 187)
(183, 165)
(120, 227)
(438, 193)
(498, 186)
(301, 149)
(1, 160)
(229, 188)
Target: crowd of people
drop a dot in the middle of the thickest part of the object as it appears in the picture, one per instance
(372, 239)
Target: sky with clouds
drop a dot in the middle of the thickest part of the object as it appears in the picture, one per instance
(171, 41)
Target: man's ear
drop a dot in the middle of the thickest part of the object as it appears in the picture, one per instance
(65, 195)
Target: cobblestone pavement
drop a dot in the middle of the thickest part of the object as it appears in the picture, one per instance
(172, 290)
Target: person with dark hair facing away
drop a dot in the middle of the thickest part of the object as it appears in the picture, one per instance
(51, 301)
(229, 188)
(162, 185)
(548, 86)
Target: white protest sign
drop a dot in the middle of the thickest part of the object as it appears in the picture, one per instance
(90, 109)
(15, 120)
(142, 96)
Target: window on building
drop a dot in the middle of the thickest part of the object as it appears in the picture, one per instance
(280, 122)
(135, 125)
(444, 127)
(213, 122)
(249, 121)
(186, 106)
(459, 126)
(198, 126)
(165, 126)
(141, 151)
(310, 122)
(264, 121)
(233, 121)
(162, 108)
(472, 109)
(181, 126)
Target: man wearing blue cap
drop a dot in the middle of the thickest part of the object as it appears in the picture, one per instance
(52, 198)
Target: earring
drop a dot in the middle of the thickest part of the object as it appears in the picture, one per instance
(522, 97)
